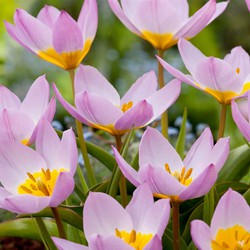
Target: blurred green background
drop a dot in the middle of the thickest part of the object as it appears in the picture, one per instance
(123, 57)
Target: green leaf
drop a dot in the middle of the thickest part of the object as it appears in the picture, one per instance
(167, 240)
(208, 208)
(247, 196)
(237, 186)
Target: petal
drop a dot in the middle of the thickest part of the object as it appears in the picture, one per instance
(137, 116)
(48, 15)
(200, 233)
(103, 214)
(89, 79)
(67, 36)
(220, 7)
(64, 187)
(126, 169)
(155, 150)
(155, 243)
(62, 244)
(248, 4)
(141, 89)
(8, 99)
(201, 184)
(228, 214)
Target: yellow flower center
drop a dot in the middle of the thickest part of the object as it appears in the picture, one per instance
(126, 106)
(25, 141)
(233, 238)
(40, 183)
(136, 240)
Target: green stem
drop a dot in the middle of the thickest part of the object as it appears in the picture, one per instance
(164, 116)
(79, 128)
(58, 223)
(82, 180)
(176, 225)
(45, 234)
(222, 125)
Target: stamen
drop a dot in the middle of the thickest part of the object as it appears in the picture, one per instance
(183, 170)
(26, 189)
(42, 187)
(33, 187)
(224, 244)
(237, 70)
(188, 174)
(48, 174)
(126, 106)
(167, 168)
(132, 237)
(31, 177)
(236, 235)
(118, 233)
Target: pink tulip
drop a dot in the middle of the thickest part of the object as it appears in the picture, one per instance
(54, 35)
(107, 225)
(164, 22)
(229, 226)
(165, 172)
(223, 79)
(19, 120)
(98, 104)
(33, 180)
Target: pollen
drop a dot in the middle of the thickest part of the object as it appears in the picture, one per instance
(126, 106)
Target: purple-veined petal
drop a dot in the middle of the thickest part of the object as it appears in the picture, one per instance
(91, 80)
(155, 150)
(103, 214)
(64, 187)
(220, 7)
(8, 99)
(126, 169)
(200, 233)
(67, 35)
(231, 210)
(48, 15)
(63, 244)
(141, 89)
(135, 117)
(201, 184)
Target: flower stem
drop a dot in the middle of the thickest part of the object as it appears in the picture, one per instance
(79, 128)
(58, 223)
(164, 116)
(176, 225)
(223, 115)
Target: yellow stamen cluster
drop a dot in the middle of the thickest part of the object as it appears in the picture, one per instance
(233, 238)
(127, 106)
(183, 177)
(137, 240)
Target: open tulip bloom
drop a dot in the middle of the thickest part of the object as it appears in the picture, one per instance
(230, 225)
(223, 79)
(167, 175)
(54, 35)
(98, 104)
(107, 225)
(19, 120)
(164, 22)
(34, 180)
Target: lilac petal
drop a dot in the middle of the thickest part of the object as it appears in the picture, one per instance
(37, 99)
(228, 214)
(141, 89)
(67, 36)
(198, 21)
(157, 151)
(126, 169)
(8, 99)
(220, 7)
(116, 8)
(200, 233)
(62, 244)
(248, 4)
(91, 80)
(135, 117)
(155, 243)
(164, 98)
(103, 214)
(3, 204)
(48, 15)
(201, 185)
(88, 19)
(64, 187)
(241, 122)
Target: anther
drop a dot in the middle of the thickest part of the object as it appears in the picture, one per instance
(27, 190)
(42, 188)
(33, 187)
(188, 174)
(237, 70)
(167, 168)
(224, 244)
(118, 233)
(31, 177)
(132, 237)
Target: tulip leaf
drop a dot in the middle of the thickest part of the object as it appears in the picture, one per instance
(180, 144)
(167, 241)
(247, 196)
(209, 204)
(237, 186)
(191, 246)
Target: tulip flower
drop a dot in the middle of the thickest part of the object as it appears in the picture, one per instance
(33, 180)
(165, 172)
(241, 115)
(223, 79)
(98, 104)
(229, 226)
(107, 225)
(19, 120)
(54, 35)
(163, 22)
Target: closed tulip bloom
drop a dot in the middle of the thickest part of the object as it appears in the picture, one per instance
(98, 104)
(54, 35)
(19, 120)
(241, 114)
(168, 176)
(163, 22)
(230, 225)
(107, 225)
(33, 180)
(223, 79)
